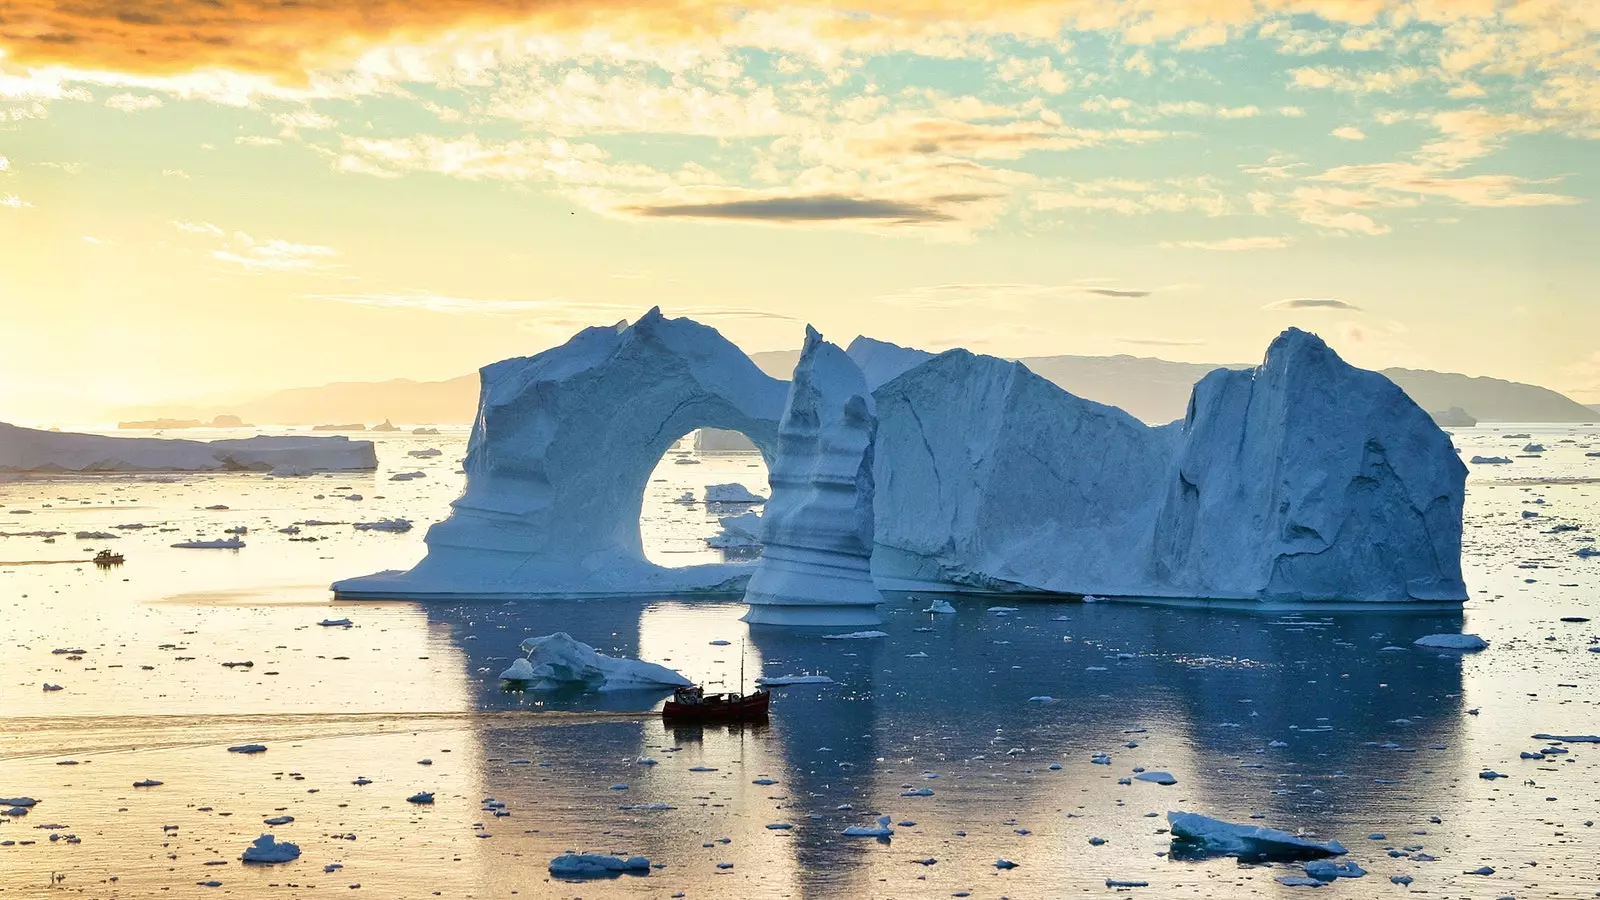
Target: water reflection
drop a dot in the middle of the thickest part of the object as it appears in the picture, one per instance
(1304, 720)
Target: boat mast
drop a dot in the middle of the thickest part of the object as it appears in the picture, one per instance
(741, 667)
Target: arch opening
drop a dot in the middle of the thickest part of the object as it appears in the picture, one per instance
(680, 525)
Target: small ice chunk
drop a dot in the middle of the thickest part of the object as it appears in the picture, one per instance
(268, 849)
(232, 543)
(421, 798)
(1466, 642)
(1003, 863)
(855, 636)
(336, 623)
(589, 865)
(783, 680)
(881, 830)
(1328, 870)
(1156, 777)
(940, 607)
(248, 748)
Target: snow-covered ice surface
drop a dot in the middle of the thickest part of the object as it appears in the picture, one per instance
(1301, 719)
(816, 532)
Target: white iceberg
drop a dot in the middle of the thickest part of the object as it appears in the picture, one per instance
(588, 865)
(741, 532)
(231, 543)
(1203, 835)
(559, 458)
(1305, 479)
(816, 534)
(268, 849)
(732, 494)
(1491, 461)
(32, 450)
(855, 636)
(940, 608)
(558, 661)
(881, 830)
(1452, 642)
(785, 680)
(398, 526)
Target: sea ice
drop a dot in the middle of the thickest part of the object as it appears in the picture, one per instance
(1156, 777)
(561, 453)
(741, 532)
(816, 534)
(398, 526)
(268, 849)
(940, 607)
(784, 680)
(558, 660)
(1202, 835)
(855, 636)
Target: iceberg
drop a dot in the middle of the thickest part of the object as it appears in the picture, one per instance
(588, 865)
(741, 532)
(816, 535)
(559, 456)
(882, 831)
(231, 543)
(32, 450)
(1197, 835)
(1305, 479)
(398, 526)
(882, 362)
(732, 493)
(558, 660)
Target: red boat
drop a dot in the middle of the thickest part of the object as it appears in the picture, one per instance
(691, 704)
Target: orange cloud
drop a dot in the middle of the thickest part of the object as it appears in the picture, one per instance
(285, 38)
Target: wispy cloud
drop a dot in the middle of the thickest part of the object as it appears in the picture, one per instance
(1312, 303)
(261, 254)
(1234, 244)
(133, 102)
(12, 201)
(1349, 133)
(824, 208)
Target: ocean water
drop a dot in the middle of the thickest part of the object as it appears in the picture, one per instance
(1326, 722)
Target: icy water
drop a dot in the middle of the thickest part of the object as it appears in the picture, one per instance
(974, 732)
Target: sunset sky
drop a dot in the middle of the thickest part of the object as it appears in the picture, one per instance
(203, 200)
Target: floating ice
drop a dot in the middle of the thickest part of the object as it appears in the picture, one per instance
(816, 535)
(1328, 870)
(231, 543)
(940, 607)
(588, 865)
(398, 526)
(268, 849)
(421, 798)
(1491, 461)
(1563, 738)
(1156, 777)
(31, 450)
(561, 454)
(785, 680)
(558, 660)
(1202, 835)
(248, 748)
(741, 532)
(855, 636)
(732, 494)
(881, 830)
(336, 623)
(1452, 642)
(990, 477)
(24, 802)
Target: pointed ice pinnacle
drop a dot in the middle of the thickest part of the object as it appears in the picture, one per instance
(816, 534)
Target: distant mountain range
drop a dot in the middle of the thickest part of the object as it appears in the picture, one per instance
(1155, 390)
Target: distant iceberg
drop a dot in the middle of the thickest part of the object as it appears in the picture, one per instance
(559, 660)
(32, 450)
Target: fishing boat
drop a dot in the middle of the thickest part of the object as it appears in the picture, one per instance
(107, 558)
(693, 704)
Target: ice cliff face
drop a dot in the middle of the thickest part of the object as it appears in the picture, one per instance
(881, 361)
(559, 456)
(817, 530)
(990, 477)
(1304, 479)
(1309, 479)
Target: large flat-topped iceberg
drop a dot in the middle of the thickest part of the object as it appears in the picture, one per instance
(816, 534)
(33, 450)
(559, 456)
(1305, 479)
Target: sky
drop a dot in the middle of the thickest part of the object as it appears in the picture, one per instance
(203, 200)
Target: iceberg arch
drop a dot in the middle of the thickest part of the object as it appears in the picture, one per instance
(560, 453)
